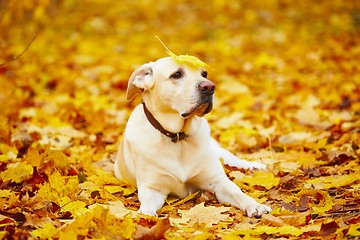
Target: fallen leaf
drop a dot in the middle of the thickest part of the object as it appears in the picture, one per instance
(273, 220)
(46, 231)
(354, 230)
(155, 232)
(17, 172)
(261, 178)
(201, 214)
(328, 228)
(117, 209)
(296, 219)
(324, 201)
(332, 181)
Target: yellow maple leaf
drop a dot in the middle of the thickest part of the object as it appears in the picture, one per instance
(101, 177)
(66, 185)
(332, 181)
(33, 158)
(3, 234)
(261, 178)
(17, 172)
(58, 187)
(114, 189)
(7, 152)
(81, 225)
(127, 227)
(76, 208)
(4, 193)
(354, 230)
(289, 230)
(98, 217)
(46, 232)
(187, 60)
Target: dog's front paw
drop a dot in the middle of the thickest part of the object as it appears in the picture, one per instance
(256, 210)
(148, 211)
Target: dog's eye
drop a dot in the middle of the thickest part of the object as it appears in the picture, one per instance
(176, 75)
(204, 74)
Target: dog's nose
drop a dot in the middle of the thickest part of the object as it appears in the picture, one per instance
(206, 87)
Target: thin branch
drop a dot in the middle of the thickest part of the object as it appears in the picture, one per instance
(17, 56)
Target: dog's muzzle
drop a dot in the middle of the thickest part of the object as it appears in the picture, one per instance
(206, 89)
(205, 103)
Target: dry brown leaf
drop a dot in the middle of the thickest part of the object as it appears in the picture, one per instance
(152, 233)
(201, 215)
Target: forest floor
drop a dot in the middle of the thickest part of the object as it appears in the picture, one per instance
(288, 95)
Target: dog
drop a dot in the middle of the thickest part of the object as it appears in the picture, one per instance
(166, 147)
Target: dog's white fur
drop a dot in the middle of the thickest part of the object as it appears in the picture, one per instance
(158, 167)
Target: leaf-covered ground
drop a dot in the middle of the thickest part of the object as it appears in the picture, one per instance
(288, 95)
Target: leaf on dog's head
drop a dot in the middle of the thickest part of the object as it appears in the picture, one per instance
(188, 60)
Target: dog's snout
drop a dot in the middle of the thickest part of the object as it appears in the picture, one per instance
(206, 87)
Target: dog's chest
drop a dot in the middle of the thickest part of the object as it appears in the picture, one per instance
(181, 164)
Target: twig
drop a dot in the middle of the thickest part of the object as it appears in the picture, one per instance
(162, 43)
(19, 55)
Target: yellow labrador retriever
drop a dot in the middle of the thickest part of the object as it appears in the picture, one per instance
(166, 147)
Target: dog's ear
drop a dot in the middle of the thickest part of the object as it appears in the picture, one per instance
(140, 80)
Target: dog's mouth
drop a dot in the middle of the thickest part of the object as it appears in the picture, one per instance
(201, 109)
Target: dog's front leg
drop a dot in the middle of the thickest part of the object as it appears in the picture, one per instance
(228, 192)
(150, 199)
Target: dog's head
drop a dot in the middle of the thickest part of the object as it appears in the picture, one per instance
(173, 87)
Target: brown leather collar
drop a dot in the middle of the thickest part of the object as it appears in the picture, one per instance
(173, 136)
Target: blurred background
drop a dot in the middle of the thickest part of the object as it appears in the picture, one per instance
(266, 55)
(232, 36)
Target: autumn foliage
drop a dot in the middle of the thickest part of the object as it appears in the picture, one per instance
(288, 95)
